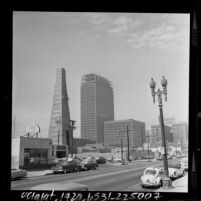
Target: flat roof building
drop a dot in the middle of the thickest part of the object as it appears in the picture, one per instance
(115, 130)
(29, 152)
(97, 106)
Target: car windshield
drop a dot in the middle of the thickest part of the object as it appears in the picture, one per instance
(66, 162)
(150, 172)
(86, 161)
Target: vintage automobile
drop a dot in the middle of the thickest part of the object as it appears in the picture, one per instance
(89, 164)
(175, 173)
(67, 166)
(101, 160)
(152, 177)
(18, 173)
(184, 163)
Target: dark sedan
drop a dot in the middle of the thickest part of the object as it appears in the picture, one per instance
(67, 166)
(89, 164)
(101, 160)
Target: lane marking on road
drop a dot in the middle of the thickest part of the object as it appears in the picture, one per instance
(106, 181)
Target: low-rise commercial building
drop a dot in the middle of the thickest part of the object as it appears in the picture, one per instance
(29, 152)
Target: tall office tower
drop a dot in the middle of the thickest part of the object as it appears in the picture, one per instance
(97, 106)
(59, 128)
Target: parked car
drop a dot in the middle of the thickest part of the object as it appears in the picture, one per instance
(67, 166)
(117, 160)
(173, 173)
(152, 177)
(101, 160)
(184, 163)
(160, 158)
(88, 164)
(18, 173)
(181, 172)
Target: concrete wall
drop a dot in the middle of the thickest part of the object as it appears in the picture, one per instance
(15, 146)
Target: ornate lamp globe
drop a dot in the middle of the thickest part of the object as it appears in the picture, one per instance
(152, 84)
(164, 82)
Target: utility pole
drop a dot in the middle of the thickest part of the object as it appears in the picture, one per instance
(72, 126)
(147, 137)
(121, 151)
(121, 143)
(128, 156)
(14, 126)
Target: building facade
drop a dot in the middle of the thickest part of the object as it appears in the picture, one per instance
(29, 152)
(79, 142)
(97, 106)
(180, 133)
(114, 131)
(156, 137)
(59, 127)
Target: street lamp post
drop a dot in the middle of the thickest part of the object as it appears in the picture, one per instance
(166, 181)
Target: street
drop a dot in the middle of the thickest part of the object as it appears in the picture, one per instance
(105, 178)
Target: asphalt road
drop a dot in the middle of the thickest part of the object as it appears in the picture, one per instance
(105, 178)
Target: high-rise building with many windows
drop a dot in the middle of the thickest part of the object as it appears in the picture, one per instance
(59, 127)
(97, 106)
(129, 131)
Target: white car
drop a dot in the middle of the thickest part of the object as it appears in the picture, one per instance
(152, 177)
(184, 163)
(18, 173)
(175, 173)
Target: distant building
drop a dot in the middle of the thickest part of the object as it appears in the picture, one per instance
(97, 106)
(79, 142)
(115, 130)
(180, 132)
(98, 148)
(156, 137)
(59, 127)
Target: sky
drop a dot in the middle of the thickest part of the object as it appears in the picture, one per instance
(126, 48)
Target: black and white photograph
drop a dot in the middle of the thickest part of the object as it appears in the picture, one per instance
(100, 101)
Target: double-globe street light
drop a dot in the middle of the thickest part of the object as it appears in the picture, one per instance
(166, 181)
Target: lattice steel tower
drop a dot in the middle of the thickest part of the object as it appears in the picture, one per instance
(59, 128)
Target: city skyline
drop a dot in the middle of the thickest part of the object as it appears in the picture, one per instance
(126, 48)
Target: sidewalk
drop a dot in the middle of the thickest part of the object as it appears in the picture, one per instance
(179, 185)
(37, 173)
